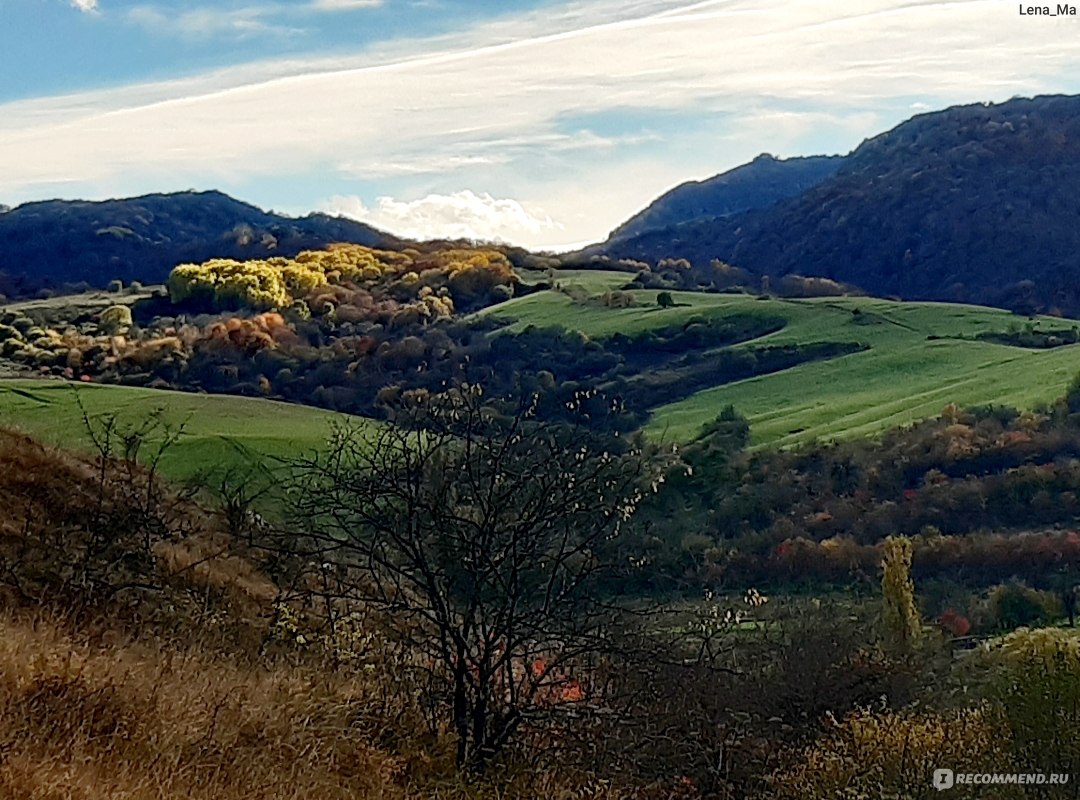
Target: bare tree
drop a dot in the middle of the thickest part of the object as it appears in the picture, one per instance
(483, 538)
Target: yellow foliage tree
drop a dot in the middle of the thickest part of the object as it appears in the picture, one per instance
(257, 284)
(1037, 684)
(277, 282)
(901, 617)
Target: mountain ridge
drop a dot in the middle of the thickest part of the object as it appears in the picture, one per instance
(975, 203)
(757, 184)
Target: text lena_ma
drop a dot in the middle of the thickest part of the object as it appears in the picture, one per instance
(1061, 10)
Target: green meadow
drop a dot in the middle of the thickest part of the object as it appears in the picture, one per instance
(916, 363)
(218, 431)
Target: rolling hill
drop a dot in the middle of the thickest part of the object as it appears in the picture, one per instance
(976, 203)
(914, 358)
(919, 358)
(56, 243)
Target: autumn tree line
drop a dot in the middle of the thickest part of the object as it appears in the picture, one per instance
(350, 328)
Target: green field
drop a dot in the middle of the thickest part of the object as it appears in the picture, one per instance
(902, 377)
(217, 429)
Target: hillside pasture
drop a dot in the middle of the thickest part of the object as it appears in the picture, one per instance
(920, 357)
(219, 431)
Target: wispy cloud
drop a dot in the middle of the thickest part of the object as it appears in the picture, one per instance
(205, 22)
(344, 5)
(417, 164)
(748, 75)
(86, 6)
(240, 21)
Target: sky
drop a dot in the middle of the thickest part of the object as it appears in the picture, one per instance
(544, 123)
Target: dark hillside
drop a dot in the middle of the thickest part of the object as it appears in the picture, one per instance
(759, 184)
(976, 203)
(56, 243)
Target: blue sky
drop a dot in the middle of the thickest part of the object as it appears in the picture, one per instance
(536, 122)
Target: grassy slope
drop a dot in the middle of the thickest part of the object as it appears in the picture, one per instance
(901, 378)
(50, 411)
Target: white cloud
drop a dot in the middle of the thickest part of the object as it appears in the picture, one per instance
(461, 215)
(86, 6)
(492, 103)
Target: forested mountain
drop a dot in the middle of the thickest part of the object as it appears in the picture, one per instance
(977, 203)
(759, 184)
(58, 242)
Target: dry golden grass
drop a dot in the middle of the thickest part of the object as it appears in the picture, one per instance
(133, 721)
(211, 561)
(116, 703)
(40, 480)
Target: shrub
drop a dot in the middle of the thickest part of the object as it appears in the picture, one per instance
(22, 324)
(954, 623)
(891, 755)
(1038, 687)
(116, 319)
(1013, 605)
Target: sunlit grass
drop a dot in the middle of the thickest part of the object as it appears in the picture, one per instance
(903, 376)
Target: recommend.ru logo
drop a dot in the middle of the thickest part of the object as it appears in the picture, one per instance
(946, 779)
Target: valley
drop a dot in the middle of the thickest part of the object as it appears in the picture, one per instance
(772, 495)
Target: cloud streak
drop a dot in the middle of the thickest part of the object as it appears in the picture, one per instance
(748, 75)
(344, 5)
(207, 22)
(272, 18)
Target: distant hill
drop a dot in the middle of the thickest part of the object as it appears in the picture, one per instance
(60, 243)
(759, 184)
(977, 203)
